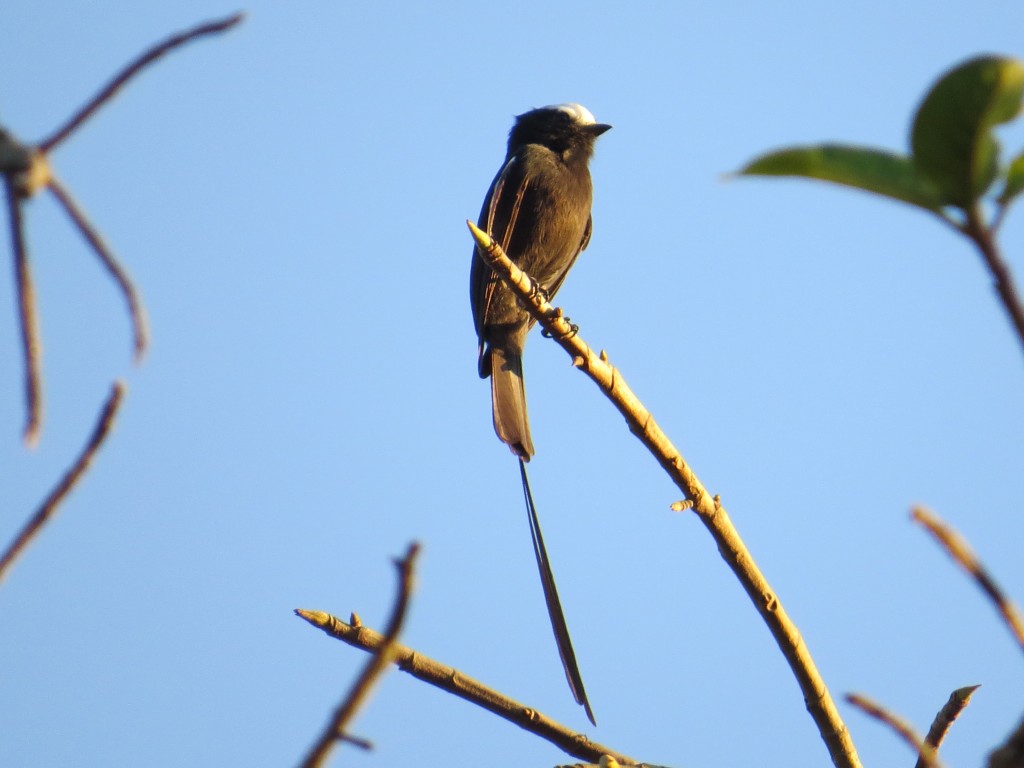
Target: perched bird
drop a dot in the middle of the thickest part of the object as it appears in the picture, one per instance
(538, 210)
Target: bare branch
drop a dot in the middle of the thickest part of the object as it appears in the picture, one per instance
(132, 69)
(25, 171)
(28, 319)
(927, 756)
(374, 668)
(136, 310)
(68, 481)
(958, 701)
(958, 549)
(708, 509)
(455, 682)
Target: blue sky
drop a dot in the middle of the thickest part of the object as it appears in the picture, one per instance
(290, 200)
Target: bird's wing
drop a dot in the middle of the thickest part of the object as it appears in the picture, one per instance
(498, 219)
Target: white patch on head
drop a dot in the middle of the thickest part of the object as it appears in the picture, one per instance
(578, 112)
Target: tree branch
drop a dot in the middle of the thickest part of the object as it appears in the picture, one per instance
(117, 272)
(28, 321)
(958, 549)
(455, 682)
(67, 482)
(371, 673)
(132, 69)
(25, 170)
(958, 701)
(976, 230)
(926, 755)
(708, 509)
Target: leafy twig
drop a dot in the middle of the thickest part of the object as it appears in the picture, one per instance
(67, 482)
(455, 682)
(374, 668)
(708, 509)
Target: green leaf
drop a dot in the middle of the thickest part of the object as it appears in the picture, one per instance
(872, 170)
(952, 137)
(1014, 180)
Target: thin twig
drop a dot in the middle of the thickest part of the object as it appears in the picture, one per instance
(927, 756)
(31, 349)
(957, 702)
(958, 549)
(373, 670)
(455, 682)
(364, 744)
(68, 481)
(976, 230)
(140, 330)
(708, 509)
(132, 69)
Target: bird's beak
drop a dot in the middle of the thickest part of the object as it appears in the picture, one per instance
(596, 129)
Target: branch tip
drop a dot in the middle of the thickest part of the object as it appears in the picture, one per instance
(130, 70)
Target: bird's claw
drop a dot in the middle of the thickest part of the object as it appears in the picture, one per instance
(573, 328)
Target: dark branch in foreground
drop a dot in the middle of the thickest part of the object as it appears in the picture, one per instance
(26, 170)
(451, 680)
(132, 69)
(67, 482)
(27, 320)
(382, 657)
(116, 271)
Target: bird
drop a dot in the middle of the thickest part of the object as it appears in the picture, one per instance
(538, 210)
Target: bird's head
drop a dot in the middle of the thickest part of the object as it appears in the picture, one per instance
(569, 130)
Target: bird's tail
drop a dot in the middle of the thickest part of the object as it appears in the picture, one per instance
(555, 613)
(508, 401)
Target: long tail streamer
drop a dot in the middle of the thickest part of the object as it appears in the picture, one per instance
(547, 580)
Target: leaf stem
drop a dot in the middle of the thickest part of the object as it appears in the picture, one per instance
(976, 230)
